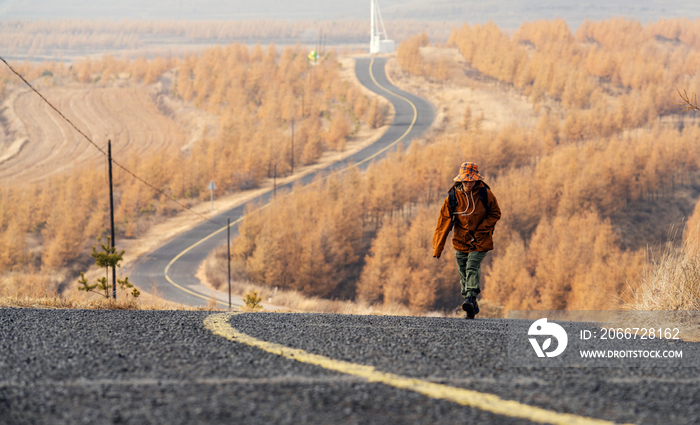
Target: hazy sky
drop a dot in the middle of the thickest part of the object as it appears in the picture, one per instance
(506, 13)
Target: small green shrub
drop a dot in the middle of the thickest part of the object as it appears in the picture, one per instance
(252, 300)
(108, 257)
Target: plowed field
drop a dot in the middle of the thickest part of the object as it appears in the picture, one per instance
(127, 116)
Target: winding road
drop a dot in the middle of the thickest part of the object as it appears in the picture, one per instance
(170, 270)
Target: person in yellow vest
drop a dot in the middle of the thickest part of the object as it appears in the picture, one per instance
(472, 210)
(313, 56)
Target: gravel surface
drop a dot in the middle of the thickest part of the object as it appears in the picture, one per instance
(78, 366)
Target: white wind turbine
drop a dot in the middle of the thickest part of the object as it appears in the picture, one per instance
(376, 44)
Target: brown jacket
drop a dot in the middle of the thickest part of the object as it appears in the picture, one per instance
(472, 232)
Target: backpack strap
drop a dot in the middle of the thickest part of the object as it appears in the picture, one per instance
(451, 205)
(484, 199)
(484, 196)
(452, 200)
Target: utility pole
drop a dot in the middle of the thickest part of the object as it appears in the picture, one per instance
(211, 188)
(274, 184)
(111, 217)
(228, 240)
(292, 145)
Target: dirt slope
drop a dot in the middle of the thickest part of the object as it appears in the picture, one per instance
(39, 143)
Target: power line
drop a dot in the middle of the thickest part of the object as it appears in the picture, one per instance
(53, 107)
(102, 150)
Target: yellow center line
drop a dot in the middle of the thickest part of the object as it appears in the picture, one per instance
(196, 244)
(219, 325)
(188, 249)
(191, 247)
(410, 127)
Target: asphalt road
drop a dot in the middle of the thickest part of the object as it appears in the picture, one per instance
(140, 367)
(413, 116)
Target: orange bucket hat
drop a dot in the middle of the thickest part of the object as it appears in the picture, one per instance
(469, 171)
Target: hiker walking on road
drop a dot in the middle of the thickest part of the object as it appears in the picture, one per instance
(472, 209)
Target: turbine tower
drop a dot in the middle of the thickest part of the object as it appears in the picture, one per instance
(376, 44)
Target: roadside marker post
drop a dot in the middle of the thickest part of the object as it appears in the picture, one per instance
(211, 188)
(274, 182)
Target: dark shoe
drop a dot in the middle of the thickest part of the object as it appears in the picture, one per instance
(468, 306)
(476, 306)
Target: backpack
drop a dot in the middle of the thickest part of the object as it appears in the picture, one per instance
(452, 204)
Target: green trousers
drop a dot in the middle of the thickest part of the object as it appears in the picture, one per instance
(469, 267)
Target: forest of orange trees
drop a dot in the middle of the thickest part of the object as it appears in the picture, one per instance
(605, 140)
(257, 93)
(601, 144)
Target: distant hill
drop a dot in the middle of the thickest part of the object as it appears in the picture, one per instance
(506, 13)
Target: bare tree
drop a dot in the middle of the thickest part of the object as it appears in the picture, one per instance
(690, 102)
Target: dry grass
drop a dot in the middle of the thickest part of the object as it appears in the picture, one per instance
(670, 288)
(42, 290)
(57, 302)
(283, 300)
(295, 301)
(497, 104)
(32, 285)
(672, 282)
